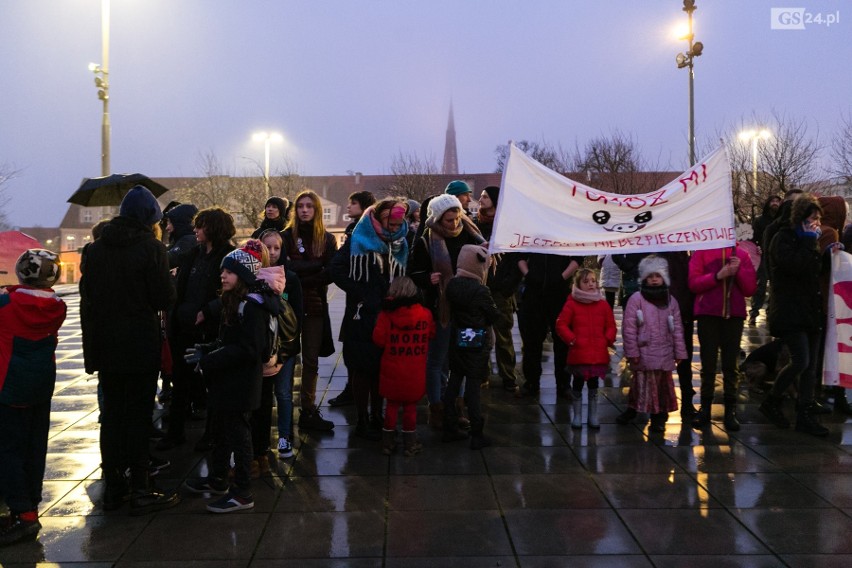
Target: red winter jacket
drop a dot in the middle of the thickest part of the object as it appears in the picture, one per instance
(588, 330)
(30, 319)
(403, 329)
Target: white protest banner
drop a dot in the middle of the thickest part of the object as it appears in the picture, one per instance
(837, 365)
(542, 211)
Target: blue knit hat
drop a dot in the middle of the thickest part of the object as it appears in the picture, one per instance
(457, 187)
(245, 261)
(140, 204)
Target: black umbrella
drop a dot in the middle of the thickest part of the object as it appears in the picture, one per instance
(110, 190)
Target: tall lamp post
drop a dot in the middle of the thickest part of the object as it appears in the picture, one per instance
(102, 83)
(686, 60)
(754, 136)
(267, 138)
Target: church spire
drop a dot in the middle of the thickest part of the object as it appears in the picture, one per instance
(451, 156)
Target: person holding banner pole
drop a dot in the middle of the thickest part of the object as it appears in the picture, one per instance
(547, 284)
(796, 311)
(721, 280)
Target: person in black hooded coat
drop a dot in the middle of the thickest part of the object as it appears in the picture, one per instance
(181, 231)
(125, 284)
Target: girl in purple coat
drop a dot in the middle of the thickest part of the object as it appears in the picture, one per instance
(653, 343)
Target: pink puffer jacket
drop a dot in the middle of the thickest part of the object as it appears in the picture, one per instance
(652, 340)
(723, 298)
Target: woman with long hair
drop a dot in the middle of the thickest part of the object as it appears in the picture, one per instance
(309, 248)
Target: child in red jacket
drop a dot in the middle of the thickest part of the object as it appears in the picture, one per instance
(30, 317)
(587, 325)
(403, 330)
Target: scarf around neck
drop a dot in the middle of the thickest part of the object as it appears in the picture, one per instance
(440, 256)
(657, 295)
(369, 243)
(586, 296)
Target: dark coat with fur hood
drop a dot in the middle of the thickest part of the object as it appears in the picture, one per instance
(471, 306)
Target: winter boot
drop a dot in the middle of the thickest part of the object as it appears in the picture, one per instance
(477, 439)
(412, 445)
(658, 422)
(731, 422)
(771, 408)
(116, 490)
(577, 406)
(388, 442)
(452, 431)
(436, 415)
(702, 417)
(464, 423)
(806, 422)
(593, 409)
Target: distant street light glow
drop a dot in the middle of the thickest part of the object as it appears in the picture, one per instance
(267, 138)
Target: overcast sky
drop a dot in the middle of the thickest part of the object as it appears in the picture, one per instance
(351, 83)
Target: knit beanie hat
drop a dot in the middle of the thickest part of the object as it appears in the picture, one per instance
(39, 268)
(654, 264)
(280, 202)
(473, 262)
(493, 192)
(457, 187)
(245, 261)
(440, 204)
(140, 204)
(413, 207)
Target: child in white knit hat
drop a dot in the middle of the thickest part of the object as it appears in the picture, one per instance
(653, 344)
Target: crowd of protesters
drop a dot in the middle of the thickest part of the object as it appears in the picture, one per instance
(425, 305)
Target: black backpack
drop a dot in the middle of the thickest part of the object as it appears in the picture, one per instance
(282, 333)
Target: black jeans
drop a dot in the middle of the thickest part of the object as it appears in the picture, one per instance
(471, 399)
(23, 448)
(235, 430)
(716, 334)
(126, 420)
(684, 368)
(535, 319)
(261, 418)
(803, 348)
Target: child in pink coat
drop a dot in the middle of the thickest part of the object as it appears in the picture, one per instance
(587, 325)
(653, 344)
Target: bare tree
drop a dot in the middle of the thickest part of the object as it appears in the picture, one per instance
(545, 153)
(790, 155)
(841, 150)
(6, 174)
(614, 163)
(243, 196)
(415, 177)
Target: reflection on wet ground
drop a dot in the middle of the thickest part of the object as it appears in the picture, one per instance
(542, 495)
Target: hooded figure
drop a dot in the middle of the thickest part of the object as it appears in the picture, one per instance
(278, 222)
(182, 236)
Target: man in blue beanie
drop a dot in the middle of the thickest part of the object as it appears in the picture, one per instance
(462, 191)
(125, 284)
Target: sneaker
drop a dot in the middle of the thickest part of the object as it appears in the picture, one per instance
(19, 530)
(156, 465)
(230, 503)
(772, 410)
(206, 485)
(285, 448)
(148, 501)
(313, 420)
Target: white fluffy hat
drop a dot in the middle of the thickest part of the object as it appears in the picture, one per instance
(652, 264)
(441, 204)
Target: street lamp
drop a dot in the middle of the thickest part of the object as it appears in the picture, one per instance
(754, 136)
(267, 138)
(686, 60)
(101, 72)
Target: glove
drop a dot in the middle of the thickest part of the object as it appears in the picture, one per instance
(193, 355)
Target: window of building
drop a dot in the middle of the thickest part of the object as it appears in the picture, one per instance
(327, 216)
(87, 215)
